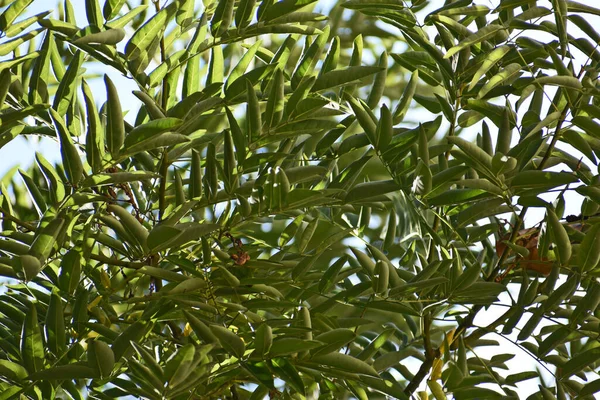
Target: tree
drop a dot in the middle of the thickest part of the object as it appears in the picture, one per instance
(296, 210)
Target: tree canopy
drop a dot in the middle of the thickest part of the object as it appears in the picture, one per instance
(301, 200)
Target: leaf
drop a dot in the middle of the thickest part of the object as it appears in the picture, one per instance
(133, 227)
(143, 37)
(55, 184)
(200, 328)
(588, 254)
(341, 77)
(485, 33)
(560, 15)
(116, 178)
(185, 12)
(108, 37)
(231, 342)
(264, 340)
(11, 45)
(65, 372)
(94, 139)
(275, 101)
(243, 13)
(561, 238)
(366, 190)
(378, 82)
(242, 65)
(12, 371)
(9, 15)
(286, 371)
(542, 179)
(581, 361)
(68, 151)
(590, 126)
(346, 363)
(101, 358)
(66, 89)
(254, 124)
(179, 366)
(166, 139)
(222, 18)
(111, 8)
(288, 345)
(508, 74)
(121, 346)
(310, 58)
(122, 21)
(32, 347)
(115, 129)
(474, 152)
(333, 340)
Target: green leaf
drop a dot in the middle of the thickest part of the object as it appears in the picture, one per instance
(581, 361)
(111, 8)
(200, 328)
(275, 101)
(133, 227)
(264, 340)
(185, 12)
(121, 346)
(11, 45)
(542, 179)
(333, 340)
(34, 192)
(475, 153)
(590, 126)
(9, 15)
(122, 21)
(231, 342)
(310, 58)
(342, 77)
(569, 82)
(366, 190)
(143, 37)
(94, 139)
(68, 151)
(115, 129)
(32, 347)
(55, 184)
(345, 363)
(108, 37)
(286, 371)
(179, 366)
(485, 33)
(116, 178)
(508, 74)
(100, 357)
(588, 254)
(242, 65)
(12, 370)
(561, 238)
(66, 89)
(93, 13)
(222, 17)
(65, 372)
(243, 13)
(288, 345)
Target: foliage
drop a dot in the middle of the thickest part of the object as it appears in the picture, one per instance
(292, 212)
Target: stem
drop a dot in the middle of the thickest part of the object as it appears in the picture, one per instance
(430, 356)
(16, 220)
